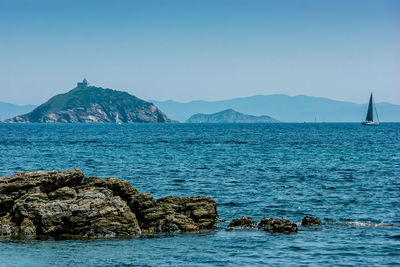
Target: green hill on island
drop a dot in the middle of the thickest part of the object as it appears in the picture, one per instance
(229, 116)
(91, 104)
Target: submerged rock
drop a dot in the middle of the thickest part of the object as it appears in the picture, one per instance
(62, 203)
(278, 225)
(310, 220)
(242, 222)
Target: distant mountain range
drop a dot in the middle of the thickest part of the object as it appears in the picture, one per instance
(283, 108)
(8, 110)
(90, 104)
(229, 116)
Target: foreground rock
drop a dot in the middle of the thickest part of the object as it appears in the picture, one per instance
(278, 225)
(310, 220)
(171, 214)
(242, 222)
(63, 203)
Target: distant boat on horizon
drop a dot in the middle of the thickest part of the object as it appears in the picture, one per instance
(369, 119)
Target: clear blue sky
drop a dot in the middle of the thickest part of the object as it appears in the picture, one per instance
(212, 50)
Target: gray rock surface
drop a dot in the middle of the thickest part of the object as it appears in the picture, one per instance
(63, 204)
(174, 214)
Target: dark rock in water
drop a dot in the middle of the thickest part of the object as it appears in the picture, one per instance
(62, 203)
(202, 210)
(171, 214)
(310, 220)
(242, 222)
(277, 225)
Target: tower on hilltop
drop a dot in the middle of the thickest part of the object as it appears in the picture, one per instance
(84, 83)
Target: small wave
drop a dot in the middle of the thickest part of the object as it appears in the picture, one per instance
(367, 224)
(227, 204)
(202, 168)
(235, 142)
(296, 248)
(73, 142)
(329, 187)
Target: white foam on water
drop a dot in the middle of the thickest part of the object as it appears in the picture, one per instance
(368, 224)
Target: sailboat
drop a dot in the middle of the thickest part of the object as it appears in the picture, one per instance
(369, 120)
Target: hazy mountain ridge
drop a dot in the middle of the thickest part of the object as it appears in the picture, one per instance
(229, 116)
(284, 108)
(90, 104)
(281, 107)
(8, 110)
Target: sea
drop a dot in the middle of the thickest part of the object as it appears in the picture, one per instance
(345, 174)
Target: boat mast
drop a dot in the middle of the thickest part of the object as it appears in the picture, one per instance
(376, 111)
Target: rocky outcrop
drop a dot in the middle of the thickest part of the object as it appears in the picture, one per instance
(310, 220)
(171, 214)
(12, 188)
(242, 222)
(278, 225)
(62, 203)
(91, 104)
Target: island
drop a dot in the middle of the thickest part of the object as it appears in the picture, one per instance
(91, 104)
(229, 116)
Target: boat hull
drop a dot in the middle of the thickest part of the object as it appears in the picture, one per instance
(370, 123)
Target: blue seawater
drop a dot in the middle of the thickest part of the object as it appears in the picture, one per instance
(348, 175)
